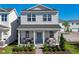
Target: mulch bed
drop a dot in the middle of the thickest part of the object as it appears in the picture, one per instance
(25, 52)
(57, 52)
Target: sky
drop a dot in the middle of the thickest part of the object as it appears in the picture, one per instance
(66, 11)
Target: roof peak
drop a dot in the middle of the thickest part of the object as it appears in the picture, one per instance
(39, 7)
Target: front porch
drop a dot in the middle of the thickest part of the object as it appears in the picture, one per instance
(38, 37)
(3, 35)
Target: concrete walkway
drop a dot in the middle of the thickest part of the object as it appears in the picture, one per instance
(38, 51)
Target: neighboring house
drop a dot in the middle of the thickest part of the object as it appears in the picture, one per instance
(39, 23)
(74, 25)
(8, 25)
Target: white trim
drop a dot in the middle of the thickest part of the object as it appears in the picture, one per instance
(38, 29)
(43, 37)
(2, 36)
(18, 37)
(40, 5)
(34, 36)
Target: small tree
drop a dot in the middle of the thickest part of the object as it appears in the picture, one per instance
(62, 43)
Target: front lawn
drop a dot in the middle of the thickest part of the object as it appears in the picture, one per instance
(7, 50)
(73, 48)
(70, 49)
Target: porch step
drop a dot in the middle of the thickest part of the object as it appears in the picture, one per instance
(39, 45)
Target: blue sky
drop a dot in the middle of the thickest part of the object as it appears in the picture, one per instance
(66, 11)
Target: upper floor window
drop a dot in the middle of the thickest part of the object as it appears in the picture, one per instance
(4, 17)
(31, 17)
(46, 17)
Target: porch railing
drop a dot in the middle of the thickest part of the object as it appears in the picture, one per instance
(26, 40)
(2, 43)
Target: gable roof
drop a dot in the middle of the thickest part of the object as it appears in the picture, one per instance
(40, 8)
(6, 9)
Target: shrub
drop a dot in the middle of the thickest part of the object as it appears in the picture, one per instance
(57, 48)
(62, 43)
(50, 49)
(46, 47)
(30, 47)
(54, 49)
(23, 48)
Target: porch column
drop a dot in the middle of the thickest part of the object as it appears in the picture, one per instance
(34, 37)
(2, 36)
(18, 37)
(43, 37)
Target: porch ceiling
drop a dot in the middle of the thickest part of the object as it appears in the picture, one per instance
(39, 27)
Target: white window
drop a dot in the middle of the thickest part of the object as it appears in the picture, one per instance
(47, 17)
(31, 17)
(4, 17)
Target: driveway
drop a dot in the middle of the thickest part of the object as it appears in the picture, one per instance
(72, 37)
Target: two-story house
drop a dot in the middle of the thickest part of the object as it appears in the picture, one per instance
(74, 25)
(8, 25)
(38, 24)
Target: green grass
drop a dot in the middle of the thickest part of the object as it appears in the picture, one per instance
(7, 50)
(72, 48)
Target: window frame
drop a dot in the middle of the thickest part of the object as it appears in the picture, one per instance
(47, 17)
(4, 17)
(32, 18)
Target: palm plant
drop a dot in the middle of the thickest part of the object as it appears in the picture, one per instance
(66, 24)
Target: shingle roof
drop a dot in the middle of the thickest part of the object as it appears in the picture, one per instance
(6, 9)
(74, 21)
(39, 26)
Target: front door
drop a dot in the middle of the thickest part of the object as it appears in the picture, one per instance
(39, 38)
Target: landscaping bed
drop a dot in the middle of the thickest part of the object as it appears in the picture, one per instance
(26, 49)
(54, 50)
(57, 52)
(25, 52)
